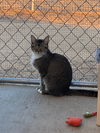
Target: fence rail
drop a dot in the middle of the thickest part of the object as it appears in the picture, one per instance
(73, 26)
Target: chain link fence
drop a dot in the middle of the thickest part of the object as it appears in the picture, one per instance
(73, 26)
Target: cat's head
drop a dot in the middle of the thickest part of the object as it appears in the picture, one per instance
(39, 46)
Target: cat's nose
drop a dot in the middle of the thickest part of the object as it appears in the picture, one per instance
(38, 45)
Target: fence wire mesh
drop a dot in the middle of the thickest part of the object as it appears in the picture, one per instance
(73, 26)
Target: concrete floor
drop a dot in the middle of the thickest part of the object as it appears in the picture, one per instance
(23, 110)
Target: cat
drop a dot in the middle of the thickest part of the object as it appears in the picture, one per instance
(55, 70)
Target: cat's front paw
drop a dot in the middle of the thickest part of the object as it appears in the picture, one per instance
(39, 90)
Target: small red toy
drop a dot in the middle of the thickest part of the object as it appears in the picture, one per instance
(74, 121)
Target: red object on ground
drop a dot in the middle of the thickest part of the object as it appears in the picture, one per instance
(74, 121)
(94, 113)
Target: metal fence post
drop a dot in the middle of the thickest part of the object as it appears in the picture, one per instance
(33, 5)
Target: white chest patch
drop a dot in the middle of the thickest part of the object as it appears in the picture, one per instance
(35, 56)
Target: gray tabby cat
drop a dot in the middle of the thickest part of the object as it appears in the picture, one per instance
(55, 70)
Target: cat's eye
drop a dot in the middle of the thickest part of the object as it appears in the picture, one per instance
(32, 46)
(32, 43)
(46, 47)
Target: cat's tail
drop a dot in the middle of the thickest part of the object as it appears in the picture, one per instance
(77, 92)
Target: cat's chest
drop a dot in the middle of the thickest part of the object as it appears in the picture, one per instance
(35, 59)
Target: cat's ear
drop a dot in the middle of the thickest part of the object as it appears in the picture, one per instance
(33, 40)
(46, 40)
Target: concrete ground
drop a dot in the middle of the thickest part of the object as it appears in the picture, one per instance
(23, 110)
